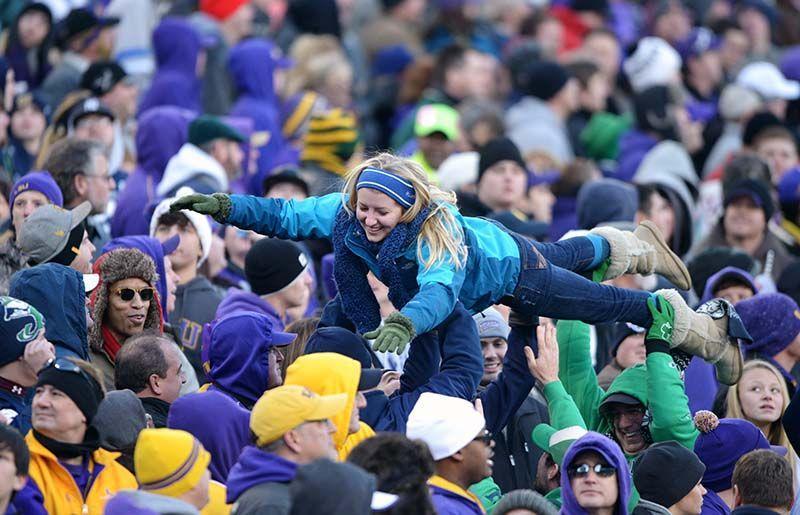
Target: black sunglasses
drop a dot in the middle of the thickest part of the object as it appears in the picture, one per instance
(127, 294)
(486, 438)
(583, 469)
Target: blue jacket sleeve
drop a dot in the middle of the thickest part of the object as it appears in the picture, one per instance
(439, 287)
(460, 372)
(503, 397)
(286, 219)
(423, 361)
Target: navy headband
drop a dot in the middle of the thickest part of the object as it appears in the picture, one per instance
(399, 189)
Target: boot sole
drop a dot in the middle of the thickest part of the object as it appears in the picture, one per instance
(682, 281)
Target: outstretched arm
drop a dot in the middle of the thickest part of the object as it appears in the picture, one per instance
(288, 219)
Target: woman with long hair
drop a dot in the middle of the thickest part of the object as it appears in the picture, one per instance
(392, 221)
(761, 397)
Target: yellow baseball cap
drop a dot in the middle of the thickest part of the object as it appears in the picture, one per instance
(286, 407)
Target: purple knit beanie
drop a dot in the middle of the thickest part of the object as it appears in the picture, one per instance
(42, 182)
(772, 319)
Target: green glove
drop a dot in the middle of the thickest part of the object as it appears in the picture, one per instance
(599, 273)
(663, 319)
(217, 206)
(394, 335)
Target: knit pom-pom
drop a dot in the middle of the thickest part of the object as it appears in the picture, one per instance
(705, 421)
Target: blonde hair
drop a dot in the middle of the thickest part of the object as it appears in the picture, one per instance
(776, 434)
(441, 232)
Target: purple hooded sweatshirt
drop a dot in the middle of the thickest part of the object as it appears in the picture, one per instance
(237, 355)
(611, 452)
(150, 247)
(252, 64)
(633, 146)
(240, 300)
(256, 467)
(161, 133)
(221, 425)
(176, 46)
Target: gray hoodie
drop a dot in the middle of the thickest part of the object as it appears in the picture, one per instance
(533, 126)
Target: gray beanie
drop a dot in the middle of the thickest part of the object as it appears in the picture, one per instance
(119, 419)
(524, 500)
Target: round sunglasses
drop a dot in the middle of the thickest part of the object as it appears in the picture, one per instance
(127, 294)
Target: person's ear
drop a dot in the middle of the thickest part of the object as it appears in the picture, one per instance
(81, 184)
(459, 456)
(19, 482)
(737, 497)
(553, 472)
(154, 382)
(292, 439)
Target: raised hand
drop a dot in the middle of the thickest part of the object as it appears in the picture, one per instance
(545, 367)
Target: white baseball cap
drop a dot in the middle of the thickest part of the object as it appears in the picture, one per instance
(445, 424)
(767, 80)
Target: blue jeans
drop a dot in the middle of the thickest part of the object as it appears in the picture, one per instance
(550, 285)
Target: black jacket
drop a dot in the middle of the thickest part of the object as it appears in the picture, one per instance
(515, 454)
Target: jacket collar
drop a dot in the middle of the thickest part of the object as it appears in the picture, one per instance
(438, 481)
(100, 456)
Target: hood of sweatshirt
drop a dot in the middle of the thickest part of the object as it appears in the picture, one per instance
(328, 373)
(58, 293)
(252, 65)
(176, 46)
(725, 273)
(631, 381)
(161, 133)
(256, 467)
(611, 452)
(191, 162)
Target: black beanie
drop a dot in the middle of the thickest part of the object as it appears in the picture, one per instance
(272, 264)
(544, 79)
(666, 460)
(496, 150)
(757, 123)
(84, 391)
(651, 108)
(758, 191)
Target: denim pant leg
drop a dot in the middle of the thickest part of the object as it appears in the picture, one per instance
(578, 254)
(547, 290)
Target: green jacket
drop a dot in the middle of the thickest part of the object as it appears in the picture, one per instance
(656, 384)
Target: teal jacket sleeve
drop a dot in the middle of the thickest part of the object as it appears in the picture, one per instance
(287, 219)
(576, 372)
(668, 404)
(439, 287)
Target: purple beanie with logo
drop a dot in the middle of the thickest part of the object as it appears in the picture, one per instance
(42, 182)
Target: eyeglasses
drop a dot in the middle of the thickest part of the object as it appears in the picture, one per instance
(582, 470)
(126, 294)
(102, 178)
(486, 438)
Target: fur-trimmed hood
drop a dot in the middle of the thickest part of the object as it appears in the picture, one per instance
(114, 266)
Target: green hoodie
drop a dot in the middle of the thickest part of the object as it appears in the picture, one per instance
(656, 384)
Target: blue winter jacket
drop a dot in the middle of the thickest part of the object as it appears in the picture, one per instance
(491, 271)
(256, 467)
(176, 46)
(458, 376)
(251, 65)
(57, 291)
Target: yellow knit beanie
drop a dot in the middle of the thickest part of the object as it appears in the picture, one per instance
(169, 462)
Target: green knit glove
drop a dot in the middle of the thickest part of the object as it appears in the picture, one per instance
(397, 331)
(663, 319)
(218, 205)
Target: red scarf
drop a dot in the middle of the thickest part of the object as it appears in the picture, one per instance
(111, 345)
